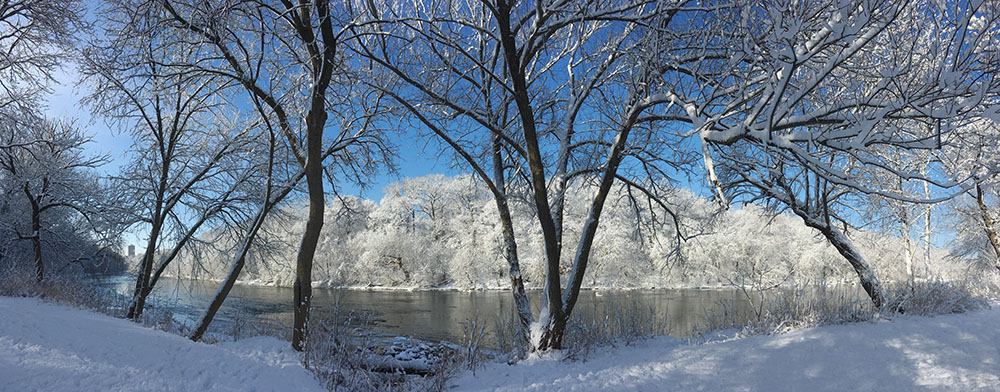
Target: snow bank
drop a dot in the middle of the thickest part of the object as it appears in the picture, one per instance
(47, 347)
(947, 353)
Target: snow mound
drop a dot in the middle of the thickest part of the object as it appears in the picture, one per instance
(47, 347)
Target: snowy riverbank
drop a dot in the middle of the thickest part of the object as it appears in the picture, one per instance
(48, 347)
(943, 353)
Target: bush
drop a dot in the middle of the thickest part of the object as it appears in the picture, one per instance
(622, 323)
(934, 297)
(346, 354)
(804, 308)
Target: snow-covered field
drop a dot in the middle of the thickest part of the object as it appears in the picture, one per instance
(944, 353)
(47, 347)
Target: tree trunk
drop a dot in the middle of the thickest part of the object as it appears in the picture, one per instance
(176, 251)
(550, 328)
(548, 333)
(988, 224)
(927, 233)
(589, 231)
(908, 256)
(322, 64)
(222, 293)
(846, 248)
(36, 234)
(521, 304)
(302, 287)
(142, 288)
(234, 273)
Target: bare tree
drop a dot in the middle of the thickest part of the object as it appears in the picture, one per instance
(185, 141)
(47, 161)
(283, 58)
(974, 217)
(809, 102)
(278, 181)
(504, 85)
(35, 40)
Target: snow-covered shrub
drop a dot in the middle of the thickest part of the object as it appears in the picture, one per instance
(18, 282)
(934, 297)
(472, 351)
(70, 289)
(346, 353)
(806, 306)
(508, 337)
(335, 352)
(621, 323)
(803, 307)
(986, 284)
(78, 291)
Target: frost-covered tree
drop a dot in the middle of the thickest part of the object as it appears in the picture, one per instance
(46, 162)
(284, 59)
(747, 247)
(36, 39)
(44, 159)
(544, 94)
(975, 214)
(805, 103)
(188, 149)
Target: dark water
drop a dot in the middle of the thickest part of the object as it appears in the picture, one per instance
(428, 315)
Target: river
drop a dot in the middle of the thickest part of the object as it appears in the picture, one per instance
(427, 315)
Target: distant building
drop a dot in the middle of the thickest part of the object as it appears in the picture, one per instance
(131, 251)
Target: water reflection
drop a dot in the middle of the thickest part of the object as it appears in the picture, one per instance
(429, 315)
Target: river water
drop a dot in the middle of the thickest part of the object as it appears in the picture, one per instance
(427, 315)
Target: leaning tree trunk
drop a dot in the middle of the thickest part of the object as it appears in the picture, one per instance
(240, 261)
(988, 224)
(142, 288)
(847, 249)
(223, 292)
(234, 273)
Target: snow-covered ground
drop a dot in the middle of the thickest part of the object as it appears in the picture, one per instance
(943, 353)
(47, 347)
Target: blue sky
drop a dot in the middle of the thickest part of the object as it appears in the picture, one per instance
(415, 159)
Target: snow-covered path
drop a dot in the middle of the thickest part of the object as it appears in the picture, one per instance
(943, 353)
(47, 347)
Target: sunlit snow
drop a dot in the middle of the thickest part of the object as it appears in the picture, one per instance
(46, 347)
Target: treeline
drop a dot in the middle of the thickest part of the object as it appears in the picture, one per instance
(441, 232)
